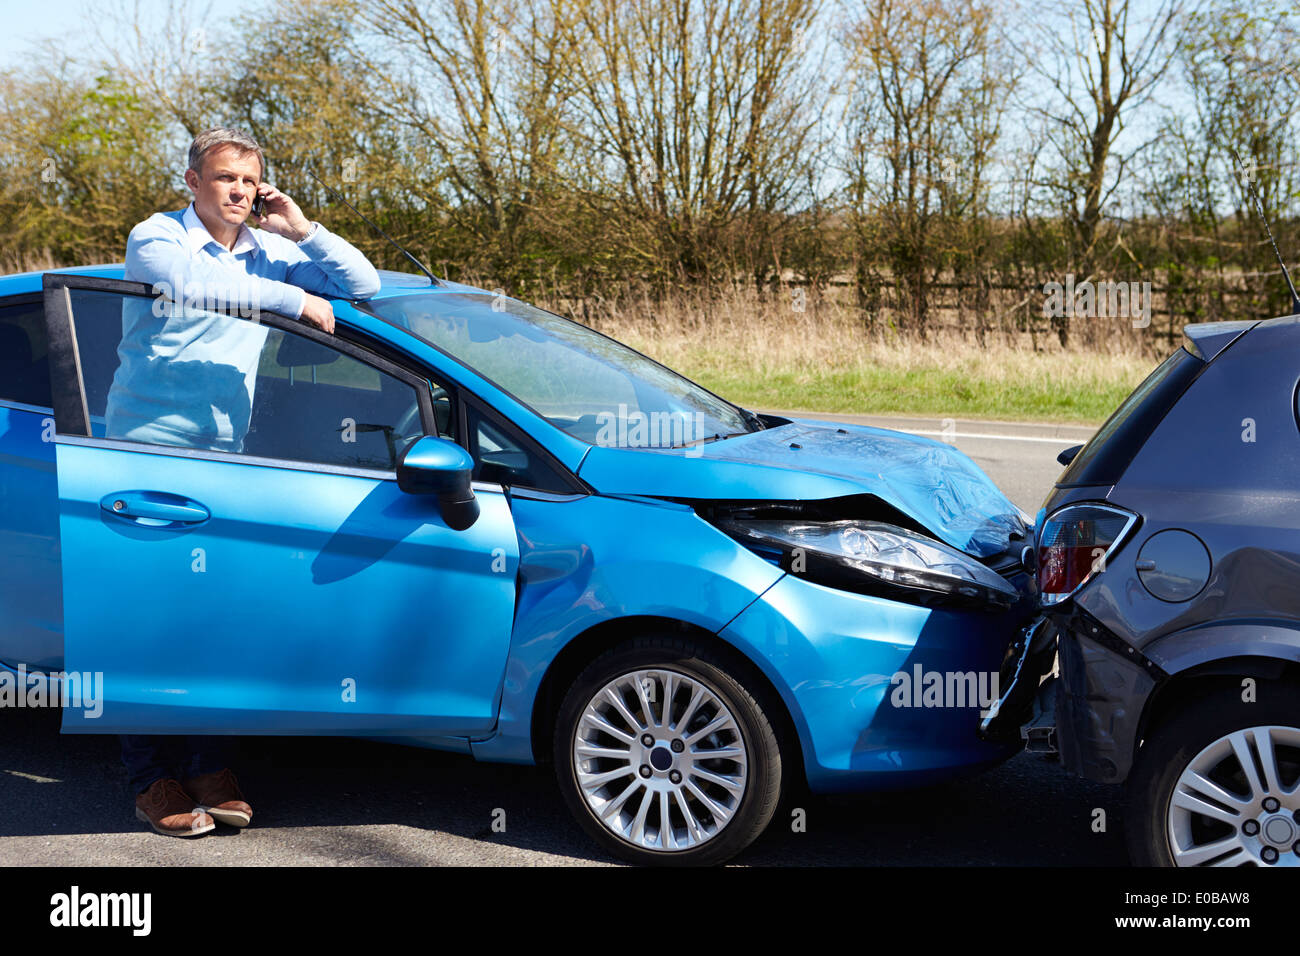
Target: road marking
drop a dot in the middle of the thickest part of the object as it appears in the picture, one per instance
(31, 776)
(1067, 442)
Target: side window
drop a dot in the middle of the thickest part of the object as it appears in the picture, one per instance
(501, 456)
(171, 375)
(24, 355)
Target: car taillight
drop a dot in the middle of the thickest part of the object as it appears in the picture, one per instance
(1075, 543)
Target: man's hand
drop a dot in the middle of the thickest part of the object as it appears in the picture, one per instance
(317, 311)
(281, 214)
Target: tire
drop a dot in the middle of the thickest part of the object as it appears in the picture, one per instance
(601, 759)
(1205, 737)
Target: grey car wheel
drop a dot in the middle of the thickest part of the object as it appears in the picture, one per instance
(665, 754)
(660, 759)
(1230, 806)
(1218, 782)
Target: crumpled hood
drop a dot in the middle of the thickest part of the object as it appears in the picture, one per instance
(934, 483)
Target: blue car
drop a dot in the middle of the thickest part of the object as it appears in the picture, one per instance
(466, 523)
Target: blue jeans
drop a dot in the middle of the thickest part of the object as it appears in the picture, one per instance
(149, 759)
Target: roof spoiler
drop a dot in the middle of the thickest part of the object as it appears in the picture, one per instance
(1205, 340)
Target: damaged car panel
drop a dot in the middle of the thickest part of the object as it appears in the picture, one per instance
(1179, 647)
(933, 483)
(1099, 699)
(891, 694)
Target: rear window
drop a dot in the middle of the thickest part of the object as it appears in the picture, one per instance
(1103, 460)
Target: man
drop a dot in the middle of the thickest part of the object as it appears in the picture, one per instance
(186, 376)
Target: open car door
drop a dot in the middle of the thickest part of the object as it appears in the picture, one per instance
(237, 555)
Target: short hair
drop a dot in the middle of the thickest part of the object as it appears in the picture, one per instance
(210, 139)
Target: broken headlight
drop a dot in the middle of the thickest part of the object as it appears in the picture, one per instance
(872, 557)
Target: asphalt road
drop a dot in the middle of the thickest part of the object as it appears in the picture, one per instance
(64, 800)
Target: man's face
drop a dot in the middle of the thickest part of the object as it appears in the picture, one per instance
(227, 184)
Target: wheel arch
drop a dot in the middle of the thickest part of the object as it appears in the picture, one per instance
(1187, 685)
(1214, 653)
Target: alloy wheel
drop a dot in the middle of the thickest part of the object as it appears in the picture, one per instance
(660, 759)
(1237, 802)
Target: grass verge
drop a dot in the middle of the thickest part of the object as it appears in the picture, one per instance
(828, 363)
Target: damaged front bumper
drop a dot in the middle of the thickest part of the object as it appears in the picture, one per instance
(887, 644)
(854, 671)
(1029, 659)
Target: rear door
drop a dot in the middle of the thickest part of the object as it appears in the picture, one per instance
(237, 556)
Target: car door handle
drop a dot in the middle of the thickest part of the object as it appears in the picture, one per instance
(154, 508)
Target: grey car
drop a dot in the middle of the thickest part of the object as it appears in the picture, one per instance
(1168, 561)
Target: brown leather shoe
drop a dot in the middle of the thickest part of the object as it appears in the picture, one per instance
(171, 811)
(218, 794)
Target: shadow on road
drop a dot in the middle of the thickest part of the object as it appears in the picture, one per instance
(1027, 812)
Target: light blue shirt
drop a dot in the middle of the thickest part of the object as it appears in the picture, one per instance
(186, 373)
(262, 272)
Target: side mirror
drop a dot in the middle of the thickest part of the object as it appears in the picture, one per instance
(438, 466)
(1069, 454)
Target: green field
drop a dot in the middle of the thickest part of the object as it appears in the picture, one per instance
(934, 391)
(833, 369)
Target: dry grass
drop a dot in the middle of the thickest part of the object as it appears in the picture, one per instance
(766, 355)
(26, 261)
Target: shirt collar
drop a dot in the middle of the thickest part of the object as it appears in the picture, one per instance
(199, 236)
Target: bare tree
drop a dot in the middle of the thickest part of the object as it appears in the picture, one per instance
(480, 83)
(1100, 64)
(924, 113)
(1244, 96)
(168, 58)
(697, 116)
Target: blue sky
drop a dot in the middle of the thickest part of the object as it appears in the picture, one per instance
(82, 25)
(27, 21)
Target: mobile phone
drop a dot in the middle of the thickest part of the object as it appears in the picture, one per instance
(259, 204)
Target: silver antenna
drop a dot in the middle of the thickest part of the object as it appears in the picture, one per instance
(393, 242)
(1259, 208)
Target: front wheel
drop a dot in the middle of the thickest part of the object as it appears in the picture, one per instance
(665, 755)
(1218, 784)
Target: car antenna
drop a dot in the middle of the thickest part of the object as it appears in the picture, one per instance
(393, 242)
(1259, 208)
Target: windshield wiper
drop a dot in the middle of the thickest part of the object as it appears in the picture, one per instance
(709, 438)
(753, 420)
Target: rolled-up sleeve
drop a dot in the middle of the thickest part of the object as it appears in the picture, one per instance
(331, 266)
(158, 253)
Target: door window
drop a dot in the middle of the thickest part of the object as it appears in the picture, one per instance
(163, 374)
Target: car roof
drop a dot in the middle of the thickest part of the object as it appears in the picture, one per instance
(391, 283)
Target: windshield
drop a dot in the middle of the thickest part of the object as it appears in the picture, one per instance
(585, 383)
